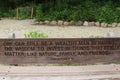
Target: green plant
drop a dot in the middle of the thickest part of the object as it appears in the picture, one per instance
(36, 35)
(39, 13)
(78, 10)
(0, 15)
(25, 12)
(9, 14)
(117, 62)
(69, 10)
(106, 14)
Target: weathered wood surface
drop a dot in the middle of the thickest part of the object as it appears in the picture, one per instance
(59, 51)
(91, 72)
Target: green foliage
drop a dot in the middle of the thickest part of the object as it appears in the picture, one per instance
(39, 13)
(108, 14)
(84, 10)
(9, 14)
(117, 62)
(0, 15)
(25, 12)
(89, 10)
(36, 35)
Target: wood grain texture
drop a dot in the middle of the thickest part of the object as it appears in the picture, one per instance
(60, 51)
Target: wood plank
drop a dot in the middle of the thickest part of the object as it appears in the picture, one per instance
(63, 72)
(60, 51)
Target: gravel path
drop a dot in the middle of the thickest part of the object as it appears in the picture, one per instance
(21, 27)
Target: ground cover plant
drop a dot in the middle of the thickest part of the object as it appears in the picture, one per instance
(36, 34)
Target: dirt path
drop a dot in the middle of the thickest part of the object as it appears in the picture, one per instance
(21, 27)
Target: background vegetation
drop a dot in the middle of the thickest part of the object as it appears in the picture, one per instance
(66, 10)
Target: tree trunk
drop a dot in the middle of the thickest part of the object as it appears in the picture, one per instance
(32, 12)
(17, 13)
(58, 3)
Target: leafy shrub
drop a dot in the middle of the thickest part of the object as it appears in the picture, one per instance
(69, 10)
(0, 15)
(84, 10)
(36, 35)
(117, 15)
(24, 12)
(39, 13)
(9, 14)
(89, 10)
(106, 14)
(62, 15)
